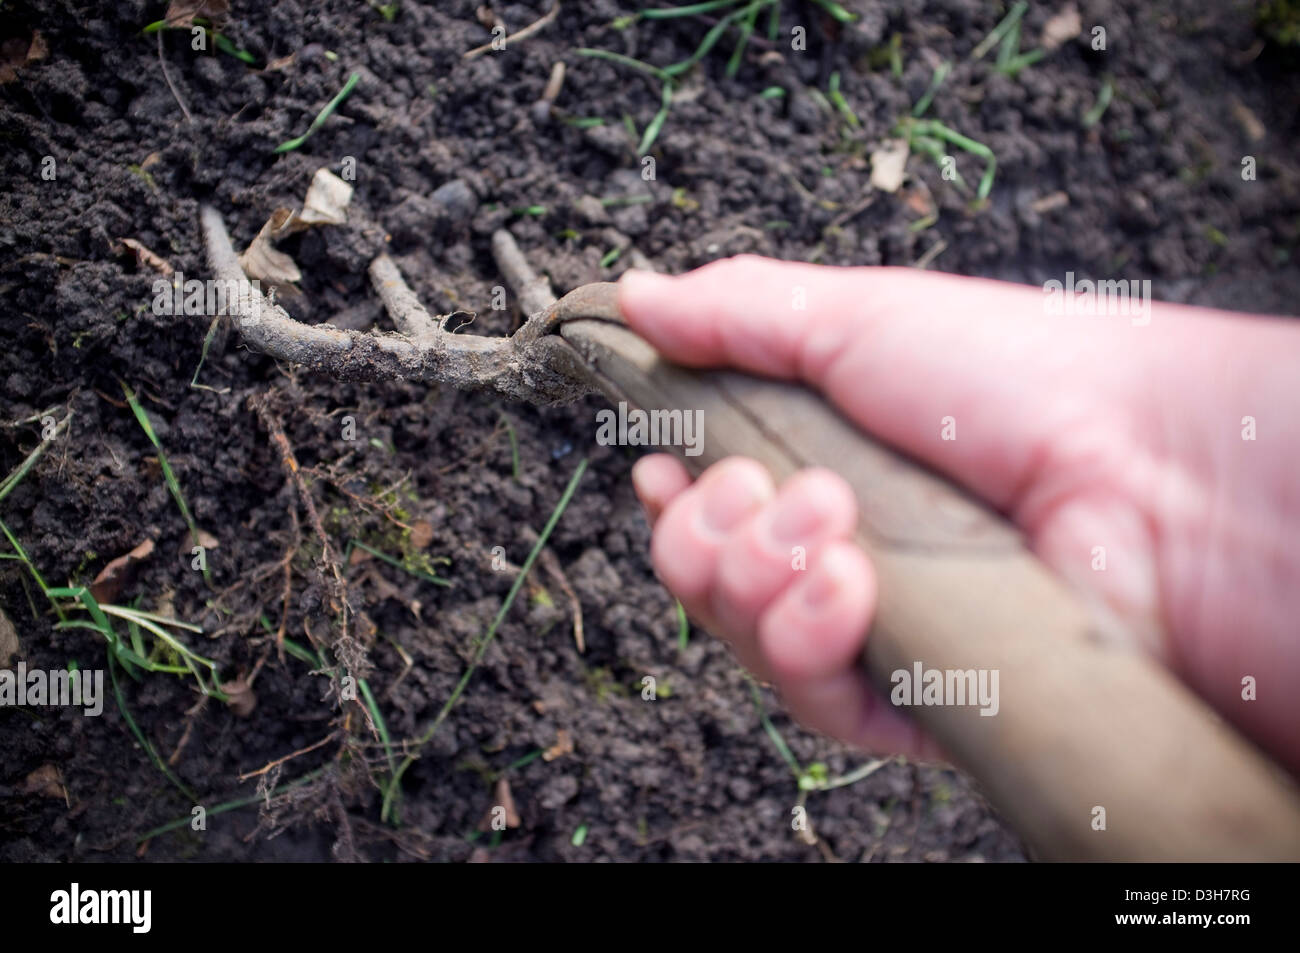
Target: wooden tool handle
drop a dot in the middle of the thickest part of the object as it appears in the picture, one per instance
(1081, 724)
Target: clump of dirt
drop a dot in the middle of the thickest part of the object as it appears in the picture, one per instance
(102, 144)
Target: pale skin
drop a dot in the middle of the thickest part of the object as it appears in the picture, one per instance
(1086, 431)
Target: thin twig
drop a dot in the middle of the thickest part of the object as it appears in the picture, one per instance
(162, 60)
(290, 463)
(289, 757)
(292, 548)
(523, 34)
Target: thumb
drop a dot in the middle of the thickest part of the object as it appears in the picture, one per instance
(971, 376)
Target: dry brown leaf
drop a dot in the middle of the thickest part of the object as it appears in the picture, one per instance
(9, 645)
(181, 13)
(919, 200)
(326, 202)
(889, 164)
(239, 696)
(1050, 202)
(283, 62)
(114, 577)
(18, 52)
(263, 262)
(1061, 28)
(501, 798)
(563, 745)
(421, 534)
(1249, 122)
(166, 605)
(145, 257)
(45, 781)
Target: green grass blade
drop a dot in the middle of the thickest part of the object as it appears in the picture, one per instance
(836, 11)
(551, 523)
(31, 568)
(689, 10)
(1009, 47)
(710, 40)
(139, 735)
(940, 74)
(16, 477)
(622, 60)
(1104, 96)
(417, 573)
(169, 477)
(229, 806)
(747, 24)
(322, 116)
(1014, 66)
(1000, 31)
(657, 123)
(786, 754)
(840, 103)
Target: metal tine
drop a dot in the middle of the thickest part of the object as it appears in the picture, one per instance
(521, 367)
(402, 304)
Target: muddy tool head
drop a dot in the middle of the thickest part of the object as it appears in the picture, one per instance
(1080, 724)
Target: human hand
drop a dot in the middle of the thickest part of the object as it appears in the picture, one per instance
(1085, 431)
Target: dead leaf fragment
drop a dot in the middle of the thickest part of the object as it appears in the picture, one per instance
(181, 13)
(47, 782)
(114, 577)
(326, 202)
(563, 745)
(503, 803)
(18, 52)
(239, 696)
(9, 645)
(919, 200)
(1249, 122)
(1061, 28)
(888, 164)
(263, 261)
(421, 534)
(1050, 202)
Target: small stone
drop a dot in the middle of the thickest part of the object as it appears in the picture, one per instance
(457, 198)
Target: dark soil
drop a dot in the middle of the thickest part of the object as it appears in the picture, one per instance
(1155, 191)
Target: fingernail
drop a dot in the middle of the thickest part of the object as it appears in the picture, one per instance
(796, 519)
(642, 479)
(734, 496)
(636, 287)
